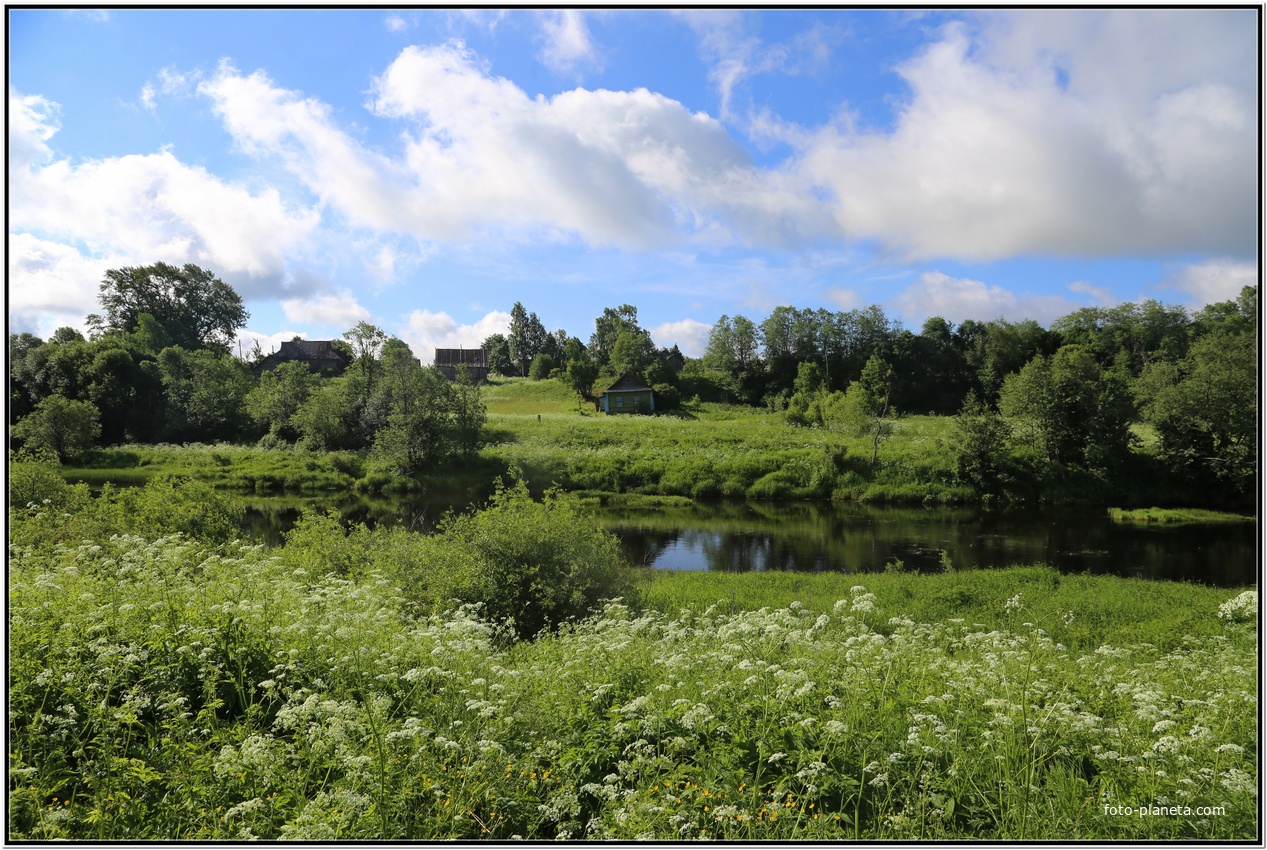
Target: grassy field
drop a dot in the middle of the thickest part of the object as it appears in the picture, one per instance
(703, 450)
(160, 690)
(164, 688)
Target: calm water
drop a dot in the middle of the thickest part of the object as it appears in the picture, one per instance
(808, 537)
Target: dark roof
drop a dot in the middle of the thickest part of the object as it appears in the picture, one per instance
(461, 357)
(628, 383)
(309, 349)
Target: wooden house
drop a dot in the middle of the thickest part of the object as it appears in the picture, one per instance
(319, 355)
(630, 394)
(474, 359)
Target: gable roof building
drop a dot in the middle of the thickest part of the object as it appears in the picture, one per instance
(318, 354)
(474, 359)
(630, 394)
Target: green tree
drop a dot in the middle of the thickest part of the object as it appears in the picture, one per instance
(469, 413)
(1205, 410)
(979, 443)
(542, 366)
(274, 401)
(607, 329)
(499, 361)
(527, 337)
(633, 351)
(582, 372)
(60, 425)
(1070, 408)
(205, 392)
(194, 307)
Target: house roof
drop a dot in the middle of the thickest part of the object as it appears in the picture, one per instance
(628, 383)
(309, 349)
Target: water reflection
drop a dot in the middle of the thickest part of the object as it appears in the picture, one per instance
(812, 537)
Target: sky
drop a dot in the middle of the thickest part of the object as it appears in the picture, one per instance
(424, 170)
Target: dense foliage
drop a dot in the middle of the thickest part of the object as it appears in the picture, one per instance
(1054, 406)
(165, 687)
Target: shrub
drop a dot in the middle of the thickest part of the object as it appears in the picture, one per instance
(536, 563)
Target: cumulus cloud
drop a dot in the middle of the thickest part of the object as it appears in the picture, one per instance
(631, 169)
(957, 299)
(134, 210)
(568, 44)
(1091, 139)
(689, 335)
(426, 331)
(51, 284)
(1212, 281)
(327, 309)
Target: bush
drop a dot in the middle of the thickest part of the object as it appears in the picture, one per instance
(538, 564)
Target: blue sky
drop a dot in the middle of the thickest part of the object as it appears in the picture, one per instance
(425, 169)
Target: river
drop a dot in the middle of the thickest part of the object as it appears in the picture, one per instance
(808, 537)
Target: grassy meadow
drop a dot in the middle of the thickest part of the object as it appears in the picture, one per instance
(508, 677)
(169, 682)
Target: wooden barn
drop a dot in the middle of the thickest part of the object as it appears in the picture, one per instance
(630, 394)
(319, 355)
(474, 359)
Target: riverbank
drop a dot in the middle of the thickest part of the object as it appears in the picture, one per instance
(703, 451)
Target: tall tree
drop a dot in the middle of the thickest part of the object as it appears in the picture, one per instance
(607, 328)
(527, 337)
(194, 307)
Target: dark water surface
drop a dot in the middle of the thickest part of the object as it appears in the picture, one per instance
(811, 537)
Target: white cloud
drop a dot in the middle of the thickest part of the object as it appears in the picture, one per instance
(395, 23)
(1091, 138)
(568, 44)
(139, 209)
(845, 299)
(426, 331)
(957, 299)
(326, 309)
(689, 335)
(632, 169)
(1212, 281)
(51, 284)
(1102, 296)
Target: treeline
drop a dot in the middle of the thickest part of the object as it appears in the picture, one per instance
(157, 368)
(617, 346)
(1062, 397)
(1068, 394)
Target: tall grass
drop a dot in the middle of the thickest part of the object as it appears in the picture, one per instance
(166, 688)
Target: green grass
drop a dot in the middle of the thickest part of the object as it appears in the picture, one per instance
(1079, 611)
(1174, 516)
(162, 688)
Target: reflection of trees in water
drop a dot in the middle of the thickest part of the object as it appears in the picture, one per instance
(810, 537)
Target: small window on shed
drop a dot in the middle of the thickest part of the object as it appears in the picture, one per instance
(638, 401)
(620, 401)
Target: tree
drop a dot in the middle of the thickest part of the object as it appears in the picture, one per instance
(979, 444)
(194, 307)
(279, 394)
(527, 337)
(61, 425)
(582, 372)
(205, 392)
(1073, 410)
(498, 348)
(632, 352)
(607, 329)
(469, 413)
(542, 366)
(1205, 411)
